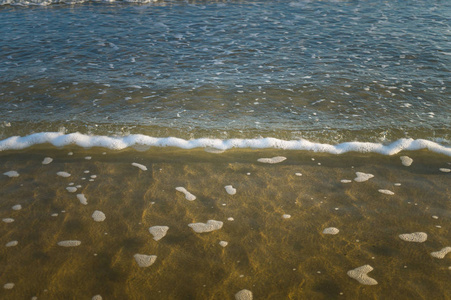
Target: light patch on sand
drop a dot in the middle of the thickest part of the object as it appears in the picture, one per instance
(361, 177)
(416, 237)
(345, 181)
(8, 220)
(188, 195)
(360, 274)
(435, 217)
(69, 243)
(386, 192)
(98, 216)
(11, 174)
(331, 230)
(298, 174)
(71, 189)
(12, 244)
(97, 297)
(445, 170)
(397, 184)
(47, 160)
(142, 167)
(88, 157)
(144, 261)
(286, 216)
(158, 232)
(211, 225)
(54, 215)
(82, 199)
(17, 207)
(63, 174)
(223, 243)
(272, 160)
(244, 295)
(8, 286)
(230, 190)
(442, 253)
(406, 161)
(230, 219)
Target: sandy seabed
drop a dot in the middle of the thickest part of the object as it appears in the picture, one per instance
(189, 224)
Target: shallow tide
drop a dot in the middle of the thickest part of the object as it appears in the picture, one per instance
(292, 229)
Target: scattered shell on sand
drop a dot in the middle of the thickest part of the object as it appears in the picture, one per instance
(98, 216)
(360, 274)
(69, 243)
(243, 295)
(144, 261)
(272, 160)
(158, 232)
(17, 207)
(211, 225)
(406, 161)
(417, 237)
(442, 253)
(286, 216)
(71, 189)
(361, 177)
(230, 190)
(386, 192)
(47, 160)
(188, 195)
(140, 166)
(223, 243)
(97, 297)
(63, 174)
(12, 244)
(331, 230)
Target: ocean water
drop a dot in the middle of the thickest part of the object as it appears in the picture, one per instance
(315, 135)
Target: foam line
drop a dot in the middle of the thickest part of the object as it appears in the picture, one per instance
(117, 143)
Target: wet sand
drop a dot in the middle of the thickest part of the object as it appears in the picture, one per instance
(273, 225)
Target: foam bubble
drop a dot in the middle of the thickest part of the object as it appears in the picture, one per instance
(244, 295)
(63, 174)
(96, 297)
(11, 174)
(82, 199)
(71, 189)
(445, 170)
(59, 139)
(272, 160)
(98, 216)
(140, 166)
(211, 225)
(17, 207)
(223, 243)
(417, 237)
(361, 177)
(88, 157)
(406, 161)
(298, 174)
(387, 192)
(8, 220)
(360, 274)
(345, 181)
(286, 216)
(144, 261)
(69, 243)
(442, 253)
(8, 286)
(12, 244)
(47, 160)
(230, 219)
(188, 195)
(331, 230)
(158, 232)
(230, 190)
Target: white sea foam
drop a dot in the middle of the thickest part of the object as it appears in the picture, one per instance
(158, 232)
(59, 139)
(272, 160)
(17, 207)
(361, 275)
(211, 225)
(8, 286)
(445, 170)
(244, 295)
(406, 161)
(416, 237)
(142, 167)
(8, 220)
(69, 243)
(145, 261)
(47, 160)
(12, 244)
(223, 243)
(386, 192)
(71, 189)
(361, 177)
(63, 174)
(331, 230)
(96, 297)
(188, 195)
(98, 216)
(82, 199)
(11, 174)
(441, 253)
(230, 190)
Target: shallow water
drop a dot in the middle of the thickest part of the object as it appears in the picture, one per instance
(272, 256)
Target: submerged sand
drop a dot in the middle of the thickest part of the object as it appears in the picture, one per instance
(257, 248)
